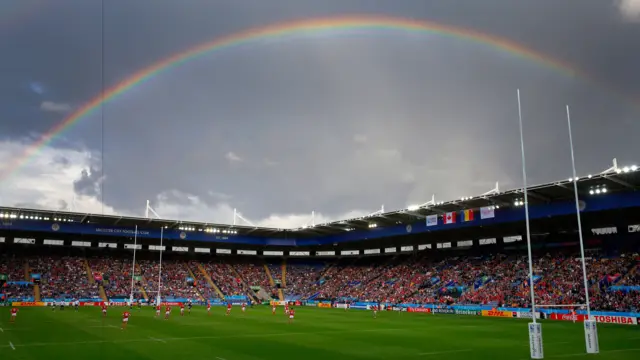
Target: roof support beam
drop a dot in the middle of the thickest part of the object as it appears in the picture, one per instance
(620, 182)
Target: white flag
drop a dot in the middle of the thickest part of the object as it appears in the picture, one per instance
(432, 220)
(487, 212)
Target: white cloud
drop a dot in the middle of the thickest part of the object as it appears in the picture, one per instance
(51, 106)
(630, 9)
(46, 182)
(233, 157)
(174, 204)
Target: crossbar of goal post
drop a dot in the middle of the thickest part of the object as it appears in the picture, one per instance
(560, 305)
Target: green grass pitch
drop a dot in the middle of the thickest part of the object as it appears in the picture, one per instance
(327, 334)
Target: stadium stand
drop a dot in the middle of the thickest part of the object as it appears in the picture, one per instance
(499, 279)
(493, 273)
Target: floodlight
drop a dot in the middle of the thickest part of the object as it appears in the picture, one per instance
(634, 167)
(589, 176)
(626, 169)
(590, 192)
(618, 171)
(413, 207)
(497, 206)
(597, 191)
(604, 190)
(570, 179)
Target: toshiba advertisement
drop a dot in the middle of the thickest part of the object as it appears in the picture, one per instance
(604, 319)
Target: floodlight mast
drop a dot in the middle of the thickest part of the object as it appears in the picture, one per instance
(495, 190)
(150, 209)
(238, 215)
(590, 329)
(378, 212)
(612, 169)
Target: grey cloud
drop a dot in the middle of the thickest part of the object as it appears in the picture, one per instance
(55, 107)
(352, 121)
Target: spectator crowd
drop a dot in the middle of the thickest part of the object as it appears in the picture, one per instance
(491, 279)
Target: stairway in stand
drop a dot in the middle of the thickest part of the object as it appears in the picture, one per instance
(283, 280)
(36, 293)
(27, 271)
(103, 294)
(144, 281)
(284, 273)
(215, 287)
(27, 277)
(273, 283)
(193, 276)
(92, 280)
(252, 296)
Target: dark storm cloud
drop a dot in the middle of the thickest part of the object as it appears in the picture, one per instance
(327, 123)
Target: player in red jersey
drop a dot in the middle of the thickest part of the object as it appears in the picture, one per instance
(125, 319)
(158, 308)
(286, 308)
(14, 314)
(181, 309)
(167, 312)
(244, 307)
(228, 309)
(208, 308)
(292, 312)
(375, 311)
(104, 309)
(273, 309)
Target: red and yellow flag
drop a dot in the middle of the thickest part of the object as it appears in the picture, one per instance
(467, 215)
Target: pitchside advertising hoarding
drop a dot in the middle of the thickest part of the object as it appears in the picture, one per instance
(604, 319)
(499, 313)
(622, 319)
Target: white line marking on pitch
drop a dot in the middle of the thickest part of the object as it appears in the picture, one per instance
(192, 338)
(1, 330)
(444, 352)
(219, 358)
(606, 351)
(158, 340)
(11, 344)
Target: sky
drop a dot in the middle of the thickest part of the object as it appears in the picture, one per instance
(339, 122)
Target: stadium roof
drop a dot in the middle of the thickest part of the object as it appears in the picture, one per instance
(611, 181)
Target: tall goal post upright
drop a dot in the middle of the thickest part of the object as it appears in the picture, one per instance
(590, 328)
(133, 264)
(158, 296)
(535, 328)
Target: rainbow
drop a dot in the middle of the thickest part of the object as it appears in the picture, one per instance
(307, 26)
